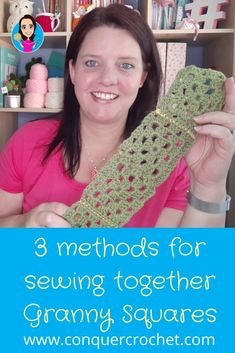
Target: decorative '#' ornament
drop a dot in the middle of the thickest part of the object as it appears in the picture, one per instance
(17, 9)
(206, 12)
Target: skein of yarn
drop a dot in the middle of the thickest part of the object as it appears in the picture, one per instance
(36, 86)
(54, 100)
(55, 94)
(34, 100)
(55, 84)
(41, 91)
(38, 72)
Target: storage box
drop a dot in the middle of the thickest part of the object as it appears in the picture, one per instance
(176, 59)
(162, 47)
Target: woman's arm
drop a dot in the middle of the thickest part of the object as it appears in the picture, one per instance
(10, 209)
(191, 218)
(45, 215)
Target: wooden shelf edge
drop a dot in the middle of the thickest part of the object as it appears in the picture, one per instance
(46, 34)
(201, 31)
(182, 34)
(162, 32)
(29, 110)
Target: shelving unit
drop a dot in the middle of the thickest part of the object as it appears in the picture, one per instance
(218, 51)
(9, 117)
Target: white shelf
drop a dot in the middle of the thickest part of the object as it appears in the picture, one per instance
(29, 110)
(204, 35)
(51, 39)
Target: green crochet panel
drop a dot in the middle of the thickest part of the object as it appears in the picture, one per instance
(145, 159)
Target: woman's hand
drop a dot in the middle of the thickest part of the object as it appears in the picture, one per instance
(46, 215)
(210, 156)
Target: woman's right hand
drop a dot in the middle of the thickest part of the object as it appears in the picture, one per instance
(46, 215)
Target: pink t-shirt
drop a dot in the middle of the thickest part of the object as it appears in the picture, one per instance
(22, 171)
(28, 45)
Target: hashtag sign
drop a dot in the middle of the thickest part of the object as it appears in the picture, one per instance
(207, 12)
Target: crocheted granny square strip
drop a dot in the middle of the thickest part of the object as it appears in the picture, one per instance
(145, 159)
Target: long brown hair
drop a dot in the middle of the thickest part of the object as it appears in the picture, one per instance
(119, 16)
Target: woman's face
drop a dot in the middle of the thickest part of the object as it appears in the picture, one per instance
(108, 74)
(27, 27)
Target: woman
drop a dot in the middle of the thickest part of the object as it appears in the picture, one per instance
(112, 80)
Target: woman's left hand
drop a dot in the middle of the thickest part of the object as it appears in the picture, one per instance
(210, 156)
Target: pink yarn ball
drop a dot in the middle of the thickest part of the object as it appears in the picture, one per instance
(34, 100)
(38, 72)
(36, 86)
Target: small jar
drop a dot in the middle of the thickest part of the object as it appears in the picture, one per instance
(12, 101)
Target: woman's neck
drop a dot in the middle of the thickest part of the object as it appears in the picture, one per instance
(106, 137)
(99, 143)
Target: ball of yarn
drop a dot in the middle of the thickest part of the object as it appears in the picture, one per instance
(34, 100)
(54, 100)
(55, 84)
(36, 86)
(38, 72)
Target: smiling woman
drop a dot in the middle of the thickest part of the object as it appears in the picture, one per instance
(112, 81)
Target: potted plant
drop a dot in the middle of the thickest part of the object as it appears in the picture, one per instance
(14, 92)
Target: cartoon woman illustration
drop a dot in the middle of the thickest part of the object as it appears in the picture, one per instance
(26, 34)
